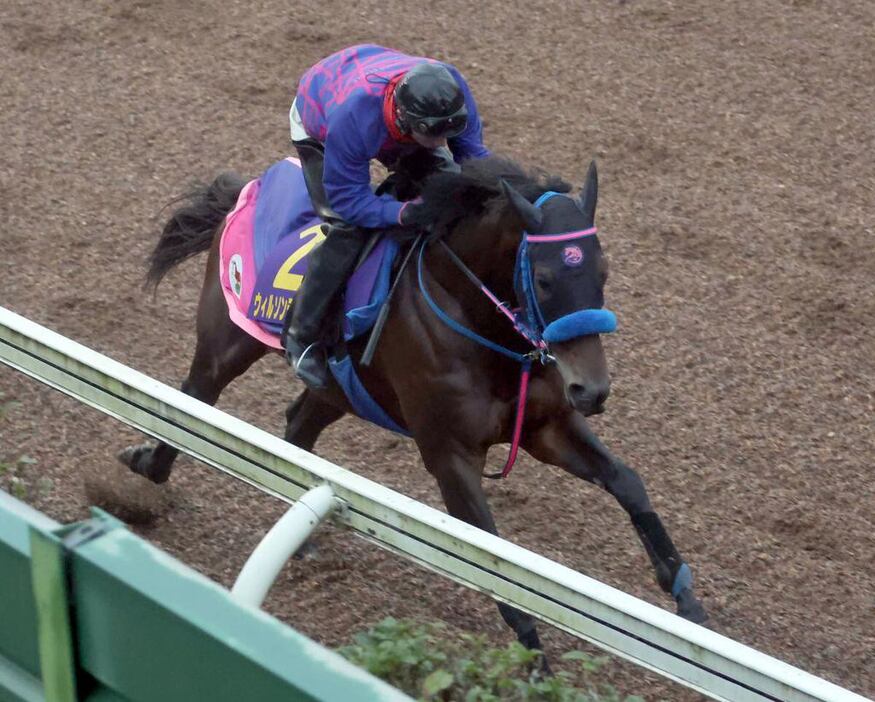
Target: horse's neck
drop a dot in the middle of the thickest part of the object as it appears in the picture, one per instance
(491, 261)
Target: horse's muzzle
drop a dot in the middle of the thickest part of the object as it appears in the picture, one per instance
(588, 400)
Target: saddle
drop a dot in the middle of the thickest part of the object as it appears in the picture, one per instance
(263, 255)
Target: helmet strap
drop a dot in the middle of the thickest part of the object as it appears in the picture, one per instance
(398, 128)
(400, 122)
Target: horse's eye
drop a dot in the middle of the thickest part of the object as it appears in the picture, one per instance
(544, 284)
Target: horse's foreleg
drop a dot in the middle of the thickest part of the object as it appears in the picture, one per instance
(306, 417)
(569, 443)
(458, 476)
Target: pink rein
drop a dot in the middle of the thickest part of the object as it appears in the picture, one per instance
(526, 370)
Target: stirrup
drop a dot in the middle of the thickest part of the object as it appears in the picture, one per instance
(316, 376)
(304, 353)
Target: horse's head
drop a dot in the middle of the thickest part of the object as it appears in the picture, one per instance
(560, 279)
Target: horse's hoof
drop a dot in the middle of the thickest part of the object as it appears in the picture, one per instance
(130, 457)
(690, 608)
(544, 670)
(531, 641)
(137, 459)
(308, 551)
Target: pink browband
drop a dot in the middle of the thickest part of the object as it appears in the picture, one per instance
(567, 236)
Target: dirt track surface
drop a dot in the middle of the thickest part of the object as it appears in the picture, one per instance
(735, 145)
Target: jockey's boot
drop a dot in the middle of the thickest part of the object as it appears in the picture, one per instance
(328, 269)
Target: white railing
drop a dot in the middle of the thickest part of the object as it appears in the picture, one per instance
(619, 623)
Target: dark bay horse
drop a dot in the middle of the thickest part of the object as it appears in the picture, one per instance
(455, 396)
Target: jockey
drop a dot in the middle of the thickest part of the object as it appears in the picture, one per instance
(365, 102)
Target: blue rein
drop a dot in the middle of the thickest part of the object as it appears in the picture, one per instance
(460, 328)
(534, 334)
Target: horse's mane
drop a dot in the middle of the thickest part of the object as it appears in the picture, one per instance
(449, 197)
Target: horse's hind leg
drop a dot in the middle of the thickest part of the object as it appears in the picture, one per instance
(212, 368)
(569, 443)
(223, 352)
(306, 417)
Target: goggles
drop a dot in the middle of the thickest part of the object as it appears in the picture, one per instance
(447, 127)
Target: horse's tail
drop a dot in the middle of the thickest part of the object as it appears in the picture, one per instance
(192, 226)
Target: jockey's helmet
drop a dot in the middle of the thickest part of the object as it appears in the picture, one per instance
(430, 102)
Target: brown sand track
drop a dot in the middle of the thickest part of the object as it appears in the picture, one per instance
(735, 145)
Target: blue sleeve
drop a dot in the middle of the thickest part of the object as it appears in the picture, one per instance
(469, 144)
(350, 144)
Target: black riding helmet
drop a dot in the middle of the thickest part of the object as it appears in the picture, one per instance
(430, 102)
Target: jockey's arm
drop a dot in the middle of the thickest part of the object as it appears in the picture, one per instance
(347, 178)
(469, 144)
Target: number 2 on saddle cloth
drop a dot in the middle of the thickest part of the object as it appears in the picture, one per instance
(271, 300)
(264, 251)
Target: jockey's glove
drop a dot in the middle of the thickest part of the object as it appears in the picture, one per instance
(413, 214)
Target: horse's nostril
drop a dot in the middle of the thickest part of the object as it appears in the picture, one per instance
(576, 390)
(581, 396)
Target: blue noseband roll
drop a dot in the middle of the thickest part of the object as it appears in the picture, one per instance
(581, 323)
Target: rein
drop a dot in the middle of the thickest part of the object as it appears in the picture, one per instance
(540, 347)
(525, 360)
(531, 335)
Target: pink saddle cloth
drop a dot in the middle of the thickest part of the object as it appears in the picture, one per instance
(264, 252)
(237, 271)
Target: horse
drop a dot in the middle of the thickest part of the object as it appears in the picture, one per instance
(447, 367)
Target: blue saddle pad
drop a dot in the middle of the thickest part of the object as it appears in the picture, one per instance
(284, 224)
(286, 229)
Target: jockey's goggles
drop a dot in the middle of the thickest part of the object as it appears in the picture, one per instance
(447, 127)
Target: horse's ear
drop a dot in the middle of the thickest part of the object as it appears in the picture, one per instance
(532, 216)
(590, 193)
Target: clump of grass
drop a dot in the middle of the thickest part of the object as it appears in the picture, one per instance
(428, 663)
(14, 476)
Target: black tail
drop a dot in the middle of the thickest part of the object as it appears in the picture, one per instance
(191, 227)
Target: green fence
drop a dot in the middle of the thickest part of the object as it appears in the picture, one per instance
(92, 612)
